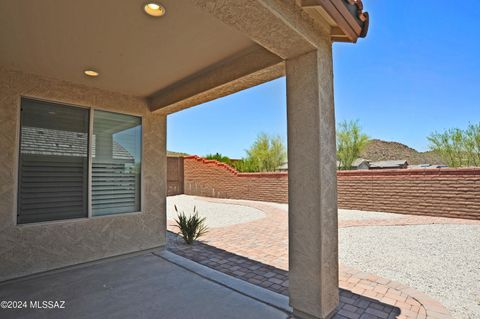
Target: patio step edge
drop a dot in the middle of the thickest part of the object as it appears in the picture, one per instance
(263, 295)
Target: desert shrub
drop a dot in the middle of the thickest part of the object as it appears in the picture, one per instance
(191, 227)
(219, 157)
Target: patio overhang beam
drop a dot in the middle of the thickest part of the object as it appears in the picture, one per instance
(282, 30)
(280, 26)
(249, 68)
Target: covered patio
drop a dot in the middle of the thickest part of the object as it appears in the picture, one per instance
(142, 286)
(86, 87)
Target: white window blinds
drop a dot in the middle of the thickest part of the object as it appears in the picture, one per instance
(116, 167)
(53, 162)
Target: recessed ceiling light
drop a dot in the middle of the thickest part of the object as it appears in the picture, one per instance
(91, 73)
(154, 9)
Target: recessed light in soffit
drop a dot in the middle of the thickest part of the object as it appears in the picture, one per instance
(154, 9)
(91, 73)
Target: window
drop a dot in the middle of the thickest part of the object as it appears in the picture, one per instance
(54, 163)
(116, 153)
(53, 168)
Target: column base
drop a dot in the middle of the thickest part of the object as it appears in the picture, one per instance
(297, 314)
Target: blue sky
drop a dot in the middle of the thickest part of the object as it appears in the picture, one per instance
(418, 71)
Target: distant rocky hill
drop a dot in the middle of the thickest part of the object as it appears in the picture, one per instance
(378, 150)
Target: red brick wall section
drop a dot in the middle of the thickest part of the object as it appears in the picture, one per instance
(214, 179)
(434, 192)
(445, 192)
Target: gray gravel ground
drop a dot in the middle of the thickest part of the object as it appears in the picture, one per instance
(441, 260)
(217, 214)
(351, 214)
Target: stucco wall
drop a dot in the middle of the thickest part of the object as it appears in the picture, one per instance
(434, 192)
(31, 248)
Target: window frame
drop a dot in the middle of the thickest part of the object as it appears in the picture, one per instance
(91, 110)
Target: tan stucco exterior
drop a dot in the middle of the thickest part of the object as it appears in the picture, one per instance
(312, 191)
(32, 248)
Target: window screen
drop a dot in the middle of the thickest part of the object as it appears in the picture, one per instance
(53, 166)
(116, 163)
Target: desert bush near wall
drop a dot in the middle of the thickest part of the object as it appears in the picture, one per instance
(266, 154)
(458, 148)
(219, 157)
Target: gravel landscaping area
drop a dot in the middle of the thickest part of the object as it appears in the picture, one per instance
(218, 215)
(350, 214)
(437, 256)
(440, 260)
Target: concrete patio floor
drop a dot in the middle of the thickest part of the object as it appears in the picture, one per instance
(141, 286)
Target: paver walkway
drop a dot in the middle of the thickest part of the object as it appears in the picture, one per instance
(362, 295)
(257, 252)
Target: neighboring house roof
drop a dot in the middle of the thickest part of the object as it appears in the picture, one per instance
(389, 164)
(361, 163)
(426, 166)
(358, 162)
(41, 141)
(119, 152)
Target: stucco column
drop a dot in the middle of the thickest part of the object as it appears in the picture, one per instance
(313, 224)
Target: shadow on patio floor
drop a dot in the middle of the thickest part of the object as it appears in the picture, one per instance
(352, 305)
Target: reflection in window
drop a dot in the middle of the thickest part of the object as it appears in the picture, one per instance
(53, 166)
(116, 166)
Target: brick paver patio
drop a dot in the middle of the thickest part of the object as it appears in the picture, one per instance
(257, 252)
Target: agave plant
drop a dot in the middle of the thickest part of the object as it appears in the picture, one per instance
(191, 227)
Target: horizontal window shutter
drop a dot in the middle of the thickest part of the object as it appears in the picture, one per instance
(116, 163)
(114, 189)
(53, 166)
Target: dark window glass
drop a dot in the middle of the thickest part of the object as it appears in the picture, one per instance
(53, 166)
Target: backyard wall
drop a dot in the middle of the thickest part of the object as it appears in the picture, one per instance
(434, 192)
(437, 192)
(214, 179)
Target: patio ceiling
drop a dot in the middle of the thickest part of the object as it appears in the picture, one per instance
(134, 53)
(198, 51)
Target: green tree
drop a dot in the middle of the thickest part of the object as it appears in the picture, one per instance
(265, 155)
(458, 147)
(245, 165)
(350, 143)
(219, 157)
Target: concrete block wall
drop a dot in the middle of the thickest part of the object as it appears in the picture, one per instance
(436, 192)
(214, 179)
(431, 192)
